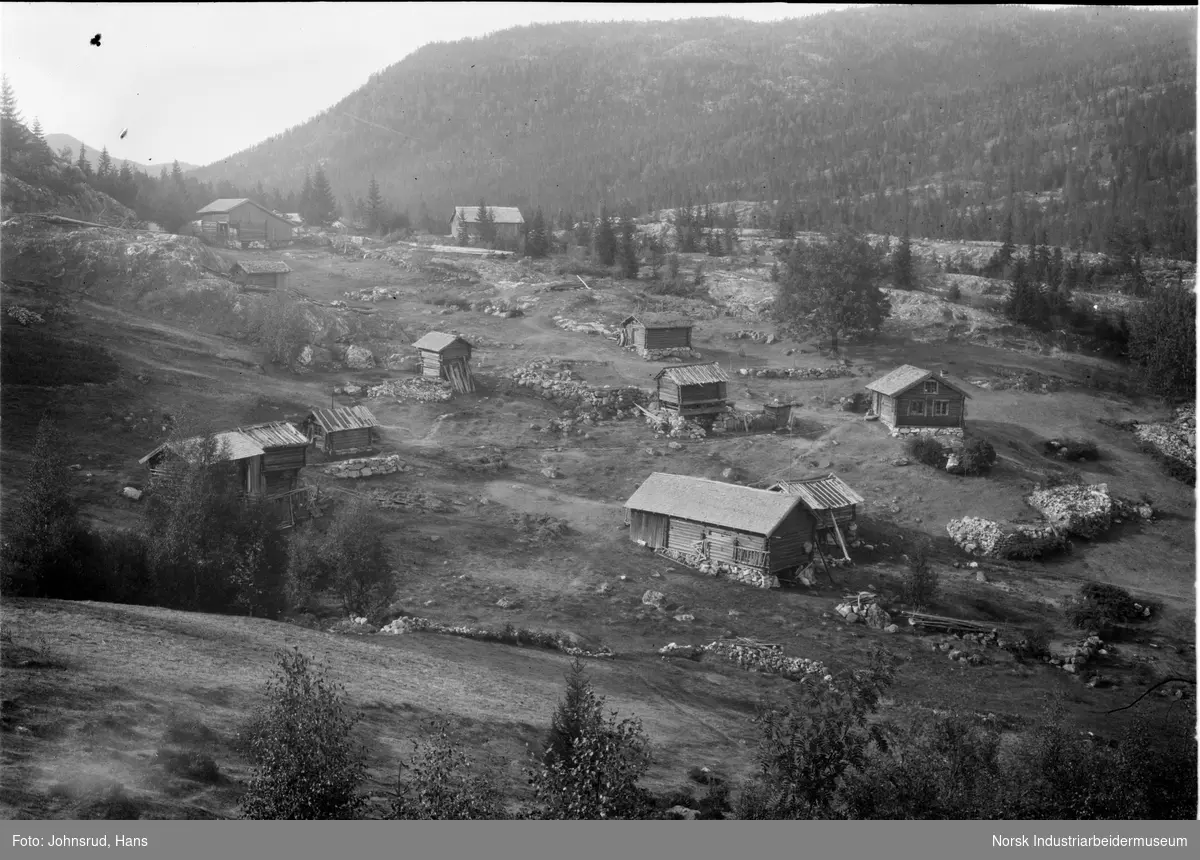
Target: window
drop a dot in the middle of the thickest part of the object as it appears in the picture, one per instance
(941, 407)
(931, 387)
(916, 407)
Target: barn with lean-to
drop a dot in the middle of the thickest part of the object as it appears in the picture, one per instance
(740, 528)
(342, 430)
(446, 356)
(833, 505)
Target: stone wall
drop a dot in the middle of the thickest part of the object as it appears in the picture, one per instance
(795, 372)
(982, 537)
(754, 657)
(365, 467)
(684, 352)
(561, 385)
(756, 336)
(946, 432)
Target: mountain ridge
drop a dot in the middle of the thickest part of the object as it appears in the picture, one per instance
(58, 140)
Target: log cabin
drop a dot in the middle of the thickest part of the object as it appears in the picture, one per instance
(241, 219)
(645, 332)
(509, 222)
(342, 430)
(727, 523)
(912, 397)
(692, 389)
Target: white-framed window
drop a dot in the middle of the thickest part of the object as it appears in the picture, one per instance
(941, 408)
(916, 407)
(931, 386)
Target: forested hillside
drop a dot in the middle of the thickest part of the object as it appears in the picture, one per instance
(1086, 116)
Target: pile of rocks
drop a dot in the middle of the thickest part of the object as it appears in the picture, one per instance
(24, 316)
(756, 336)
(1079, 655)
(683, 352)
(674, 425)
(949, 432)
(956, 654)
(587, 327)
(865, 607)
(420, 389)
(978, 536)
(754, 657)
(795, 372)
(560, 384)
(1085, 511)
(1175, 439)
(358, 358)
(365, 467)
(504, 308)
(374, 294)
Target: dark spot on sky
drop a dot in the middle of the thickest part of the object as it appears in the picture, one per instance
(95, 40)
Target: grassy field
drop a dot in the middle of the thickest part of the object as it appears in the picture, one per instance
(93, 692)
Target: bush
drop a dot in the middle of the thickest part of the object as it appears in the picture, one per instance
(189, 764)
(444, 785)
(1072, 449)
(1101, 606)
(977, 456)
(954, 294)
(356, 561)
(920, 579)
(927, 450)
(306, 766)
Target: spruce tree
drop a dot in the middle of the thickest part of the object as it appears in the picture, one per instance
(323, 203)
(902, 264)
(82, 163)
(104, 164)
(14, 136)
(374, 207)
(487, 224)
(629, 251)
(537, 244)
(606, 240)
(306, 199)
(1007, 248)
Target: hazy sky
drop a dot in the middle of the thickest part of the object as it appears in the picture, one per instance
(197, 82)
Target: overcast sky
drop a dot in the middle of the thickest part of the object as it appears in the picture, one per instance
(197, 82)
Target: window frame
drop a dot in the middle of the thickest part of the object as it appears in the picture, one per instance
(928, 390)
(941, 414)
(913, 406)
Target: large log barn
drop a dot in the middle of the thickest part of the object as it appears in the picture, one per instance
(911, 397)
(692, 389)
(756, 530)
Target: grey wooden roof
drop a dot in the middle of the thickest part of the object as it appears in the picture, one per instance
(228, 204)
(821, 494)
(693, 374)
(713, 502)
(436, 341)
(231, 445)
(274, 434)
(659, 320)
(500, 214)
(343, 418)
(905, 377)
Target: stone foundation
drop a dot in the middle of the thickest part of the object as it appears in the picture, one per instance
(366, 467)
(684, 352)
(795, 372)
(947, 432)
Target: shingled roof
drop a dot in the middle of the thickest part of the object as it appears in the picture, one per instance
(905, 377)
(436, 341)
(693, 374)
(820, 494)
(500, 214)
(343, 418)
(262, 267)
(715, 503)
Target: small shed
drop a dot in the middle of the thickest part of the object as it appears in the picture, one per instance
(447, 356)
(914, 397)
(650, 331)
(272, 274)
(268, 459)
(719, 522)
(342, 430)
(832, 503)
(693, 389)
(779, 413)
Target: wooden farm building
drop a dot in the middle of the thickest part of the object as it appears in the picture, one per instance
(649, 331)
(913, 397)
(446, 356)
(243, 220)
(756, 529)
(268, 458)
(832, 503)
(509, 221)
(272, 274)
(692, 389)
(342, 430)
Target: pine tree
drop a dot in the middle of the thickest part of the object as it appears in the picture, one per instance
(629, 251)
(902, 264)
(104, 164)
(487, 224)
(82, 163)
(537, 243)
(374, 207)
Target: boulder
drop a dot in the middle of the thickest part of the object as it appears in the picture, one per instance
(358, 358)
(551, 472)
(508, 603)
(132, 493)
(305, 357)
(686, 616)
(654, 598)
(682, 813)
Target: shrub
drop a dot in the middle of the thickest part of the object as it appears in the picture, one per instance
(1101, 606)
(920, 579)
(444, 785)
(926, 449)
(1072, 449)
(977, 456)
(280, 328)
(595, 771)
(356, 560)
(954, 294)
(306, 765)
(189, 764)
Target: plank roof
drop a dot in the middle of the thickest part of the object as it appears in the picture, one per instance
(659, 320)
(905, 377)
(822, 493)
(262, 267)
(231, 445)
(275, 434)
(500, 214)
(343, 418)
(693, 374)
(436, 341)
(224, 205)
(713, 502)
